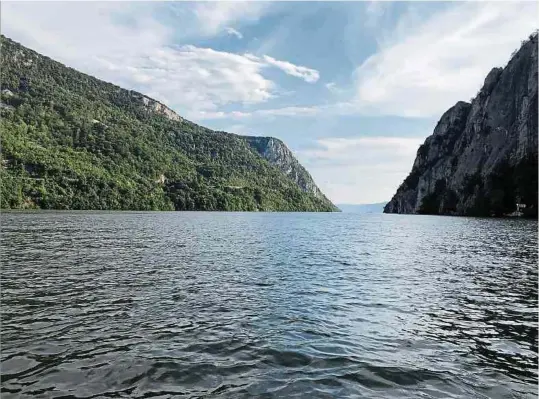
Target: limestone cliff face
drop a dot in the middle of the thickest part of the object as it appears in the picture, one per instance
(278, 154)
(156, 107)
(482, 157)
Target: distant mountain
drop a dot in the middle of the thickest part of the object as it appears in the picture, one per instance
(362, 208)
(482, 157)
(71, 141)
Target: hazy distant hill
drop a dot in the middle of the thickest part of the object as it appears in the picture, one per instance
(71, 141)
(362, 208)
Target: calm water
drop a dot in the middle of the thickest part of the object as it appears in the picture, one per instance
(245, 305)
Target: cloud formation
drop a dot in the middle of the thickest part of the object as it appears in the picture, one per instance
(234, 32)
(365, 169)
(140, 55)
(307, 74)
(214, 16)
(425, 64)
(428, 66)
(199, 79)
(326, 110)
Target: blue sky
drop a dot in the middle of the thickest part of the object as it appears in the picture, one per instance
(353, 88)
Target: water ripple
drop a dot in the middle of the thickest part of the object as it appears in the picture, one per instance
(236, 305)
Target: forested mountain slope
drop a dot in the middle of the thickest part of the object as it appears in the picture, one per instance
(71, 141)
(482, 157)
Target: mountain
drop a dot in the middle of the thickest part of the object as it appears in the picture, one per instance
(275, 152)
(362, 208)
(71, 141)
(481, 159)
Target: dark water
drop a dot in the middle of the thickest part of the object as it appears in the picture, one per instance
(267, 305)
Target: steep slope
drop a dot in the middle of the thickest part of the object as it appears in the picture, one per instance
(482, 157)
(71, 141)
(278, 154)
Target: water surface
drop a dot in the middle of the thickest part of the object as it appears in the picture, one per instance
(242, 305)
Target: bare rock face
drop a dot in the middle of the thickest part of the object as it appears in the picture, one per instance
(278, 154)
(482, 157)
(156, 107)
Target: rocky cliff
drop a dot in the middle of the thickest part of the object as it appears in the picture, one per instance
(156, 107)
(482, 157)
(278, 154)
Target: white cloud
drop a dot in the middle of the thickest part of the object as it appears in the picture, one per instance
(426, 64)
(430, 65)
(330, 110)
(331, 86)
(337, 89)
(307, 74)
(85, 30)
(214, 16)
(201, 78)
(375, 11)
(360, 169)
(238, 129)
(234, 32)
(139, 55)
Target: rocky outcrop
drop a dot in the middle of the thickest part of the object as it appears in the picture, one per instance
(482, 157)
(278, 154)
(156, 107)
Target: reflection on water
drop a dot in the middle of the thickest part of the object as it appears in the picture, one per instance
(267, 305)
